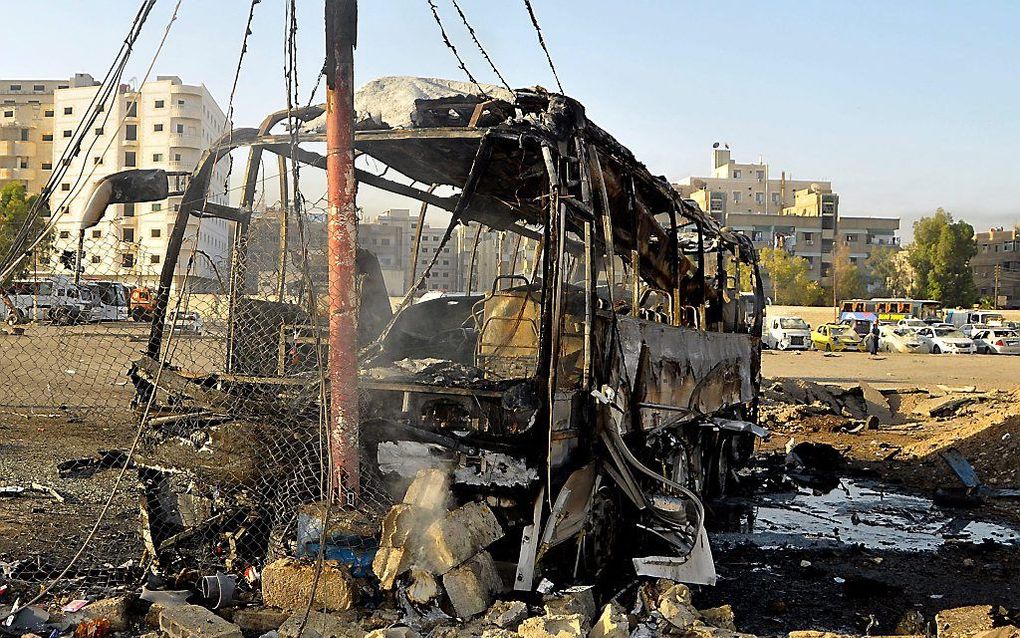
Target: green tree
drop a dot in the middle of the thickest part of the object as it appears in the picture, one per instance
(850, 280)
(888, 273)
(940, 255)
(790, 283)
(15, 206)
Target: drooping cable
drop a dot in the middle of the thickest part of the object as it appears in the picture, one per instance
(541, 41)
(449, 44)
(485, 53)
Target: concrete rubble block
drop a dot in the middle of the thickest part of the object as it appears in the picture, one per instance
(1009, 631)
(389, 563)
(557, 626)
(423, 587)
(497, 632)
(115, 610)
(430, 490)
(612, 623)
(676, 608)
(393, 632)
(288, 582)
(470, 587)
(963, 622)
(506, 613)
(456, 537)
(573, 600)
(399, 524)
(721, 617)
(192, 621)
(320, 625)
(259, 620)
(877, 404)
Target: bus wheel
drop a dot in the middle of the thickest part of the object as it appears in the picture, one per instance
(15, 317)
(828, 347)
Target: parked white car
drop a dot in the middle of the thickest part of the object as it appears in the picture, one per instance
(970, 328)
(186, 322)
(787, 333)
(996, 341)
(946, 340)
(916, 324)
(900, 339)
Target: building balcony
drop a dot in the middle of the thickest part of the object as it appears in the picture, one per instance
(17, 148)
(190, 111)
(27, 174)
(187, 140)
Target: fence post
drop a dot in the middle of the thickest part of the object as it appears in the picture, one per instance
(342, 229)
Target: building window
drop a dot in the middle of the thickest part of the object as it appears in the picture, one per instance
(24, 134)
(158, 128)
(736, 174)
(38, 87)
(96, 259)
(96, 234)
(160, 104)
(99, 131)
(157, 207)
(129, 210)
(8, 113)
(65, 187)
(153, 259)
(177, 157)
(15, 87)
(127, 261)
(736, 197)
(157, 157)
(47, 137)
(129, 234)
(851, 239)
(129, 159)
(156, 232)
(132, 109)
(47, 166)
(180, 102)
(68, 110)
(65, 234)
(179, 128)
(98, 161)
(48, 113)
(68, 133)
(131, 132)
(23, 162)
(759, 198)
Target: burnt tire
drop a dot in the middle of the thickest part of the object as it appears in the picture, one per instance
(936, 350)
(719, 477)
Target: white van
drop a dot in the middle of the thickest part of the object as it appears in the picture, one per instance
(960, 316)
(787, 333)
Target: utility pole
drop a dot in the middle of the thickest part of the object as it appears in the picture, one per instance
(342, 239)
(995, 300)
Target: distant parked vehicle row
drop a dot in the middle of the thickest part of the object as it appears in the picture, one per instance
(60, 301)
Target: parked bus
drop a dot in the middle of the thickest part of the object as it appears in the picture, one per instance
(56, 299)
(111, 300)
(886, 310)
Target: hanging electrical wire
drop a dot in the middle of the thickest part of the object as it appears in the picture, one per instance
(449, 44)
(474, 37)
(541, 41)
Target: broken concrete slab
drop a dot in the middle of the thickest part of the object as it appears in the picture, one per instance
(877, 404)
(320, 625)
(559, 626)
(573, 600)
(423, 587)
(399, 524)
(114, 610)
(721, 617)
(393, 632)
(470, 587)
(506, 613)
(389, 563)
(288, 582)
(456, 537)
(941, 406)
(962, 622)
(259, 620)
(676, 608)
(430, 490)
(612, 623)
(192, 621)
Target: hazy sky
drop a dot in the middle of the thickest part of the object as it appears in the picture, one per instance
(905, 106)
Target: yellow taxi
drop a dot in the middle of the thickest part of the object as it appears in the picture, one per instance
(836, 337)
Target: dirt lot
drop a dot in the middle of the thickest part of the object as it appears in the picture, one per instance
(894, 369)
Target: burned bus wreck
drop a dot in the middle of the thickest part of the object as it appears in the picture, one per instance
(590, 395)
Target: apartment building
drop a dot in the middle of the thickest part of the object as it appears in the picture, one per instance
(26, 129)
(399, 228)
(996, 266)
(163, 124)
(800, 215)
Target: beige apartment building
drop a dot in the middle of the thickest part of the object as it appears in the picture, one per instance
(799, 215)
(26, 129)
(163, 124)
(996, 266)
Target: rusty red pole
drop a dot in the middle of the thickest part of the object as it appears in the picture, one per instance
(342, 229)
